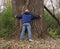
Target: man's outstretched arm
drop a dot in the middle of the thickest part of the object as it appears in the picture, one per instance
(36, 16)
(18, 16)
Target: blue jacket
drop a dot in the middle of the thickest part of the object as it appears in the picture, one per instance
(27, 17)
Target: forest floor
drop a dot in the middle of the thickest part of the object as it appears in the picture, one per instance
(46, 43)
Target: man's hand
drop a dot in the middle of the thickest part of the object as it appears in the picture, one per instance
(15, 16)
(40, 16)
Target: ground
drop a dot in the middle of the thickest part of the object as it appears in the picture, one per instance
(46, 43)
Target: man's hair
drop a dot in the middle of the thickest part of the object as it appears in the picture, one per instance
(26, 10)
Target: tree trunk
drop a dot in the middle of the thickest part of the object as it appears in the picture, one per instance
(59, 3)
(36, 7)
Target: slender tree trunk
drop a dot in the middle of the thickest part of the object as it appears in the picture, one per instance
(59, 3)
(36, 7)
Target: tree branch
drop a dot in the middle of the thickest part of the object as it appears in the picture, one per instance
(52, 14)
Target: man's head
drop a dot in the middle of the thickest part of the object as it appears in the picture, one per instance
(26, 10)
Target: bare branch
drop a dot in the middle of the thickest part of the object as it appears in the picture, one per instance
(52, 15)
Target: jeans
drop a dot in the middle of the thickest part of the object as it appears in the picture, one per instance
(28, 26)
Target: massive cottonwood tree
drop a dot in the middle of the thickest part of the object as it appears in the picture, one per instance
(36, 7)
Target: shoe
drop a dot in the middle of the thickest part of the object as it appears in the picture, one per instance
(30, 40)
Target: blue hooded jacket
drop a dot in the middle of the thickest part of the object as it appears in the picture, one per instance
(27, 17)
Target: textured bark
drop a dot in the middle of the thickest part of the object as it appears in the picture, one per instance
(36, 7)
(17, 22)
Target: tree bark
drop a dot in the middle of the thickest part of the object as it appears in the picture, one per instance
(36, 7)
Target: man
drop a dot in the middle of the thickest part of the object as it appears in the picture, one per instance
(26, 23)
